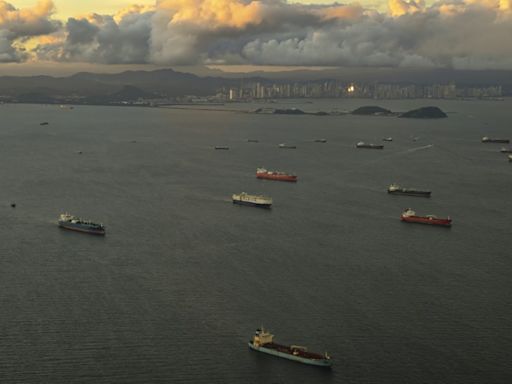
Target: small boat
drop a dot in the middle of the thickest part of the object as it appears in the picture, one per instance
(44, 123)
(409, 216)
(262, 173)
(13, 205)
(387, 139)
(486, 139)
(221, 147)
(395, 189)
(263, 341)
(252, 200)
(506, 150)
(287, 146)
(74, 223)
(320, 140)
(509, 157)
(362, 144)
(253, 141)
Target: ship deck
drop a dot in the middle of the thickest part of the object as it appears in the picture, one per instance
(427, 220)
(289, 350)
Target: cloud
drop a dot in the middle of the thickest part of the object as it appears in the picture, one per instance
(22, 24)
(506, 5)
(402, 7)
(215, 13)
(340, 12)
(120, 39)
(447, 33)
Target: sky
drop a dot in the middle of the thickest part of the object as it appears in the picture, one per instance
(110, 34)
(71, 8)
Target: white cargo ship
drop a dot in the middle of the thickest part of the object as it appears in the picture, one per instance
(254, 200)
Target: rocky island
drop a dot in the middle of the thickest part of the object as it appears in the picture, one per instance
(372, 110)
(424, 113)
(289, 111)
(419, 113)
(369, 110)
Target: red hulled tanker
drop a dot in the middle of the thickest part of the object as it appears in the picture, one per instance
(262, 173)
(409, 216)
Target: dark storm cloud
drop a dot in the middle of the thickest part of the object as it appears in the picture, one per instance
(102, 39)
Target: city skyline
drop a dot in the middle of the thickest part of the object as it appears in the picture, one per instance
(464, 34)
(167, 87)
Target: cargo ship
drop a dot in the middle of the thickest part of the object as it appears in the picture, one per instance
(221, 147)
(252, 200)
(486, 139)
(321, 141)
(362, 144)
(262, 173)
(409, 216)
(395, 189)
(263, 341)
(287, 146)
(74, 223)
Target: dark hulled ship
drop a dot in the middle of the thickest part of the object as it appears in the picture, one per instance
(362, 144)
(486, 139)
(395, 189)
(263, 341)
(74, 223)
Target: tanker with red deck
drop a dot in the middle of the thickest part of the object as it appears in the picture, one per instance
(262, 173)
(409, 216)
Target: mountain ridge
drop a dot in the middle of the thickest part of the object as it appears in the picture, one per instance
(168, 83)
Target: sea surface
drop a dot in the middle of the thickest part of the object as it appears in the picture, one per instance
(183, 278)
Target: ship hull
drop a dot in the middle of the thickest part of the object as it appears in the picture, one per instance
(82, 229)
(410, 193)
(316, 362)
(265, 176)
(370, 146)
(252, 204)
(495, 141)
(427, 220)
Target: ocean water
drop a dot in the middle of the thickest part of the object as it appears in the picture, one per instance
(175, 290)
